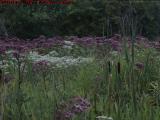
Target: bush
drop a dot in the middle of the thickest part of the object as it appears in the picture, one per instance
(88, 17)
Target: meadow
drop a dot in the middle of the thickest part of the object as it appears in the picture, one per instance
(79, 78)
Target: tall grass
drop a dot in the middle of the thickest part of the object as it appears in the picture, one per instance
(105, 85)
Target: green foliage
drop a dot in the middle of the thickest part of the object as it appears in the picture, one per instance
(82, 17)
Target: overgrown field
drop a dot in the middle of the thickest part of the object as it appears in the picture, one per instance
(72, 78)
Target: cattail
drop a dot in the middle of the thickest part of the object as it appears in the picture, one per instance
(109, 66)
(119, 68)
(1, 81)
(0, 74)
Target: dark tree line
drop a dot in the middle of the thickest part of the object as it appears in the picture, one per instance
(83, 17)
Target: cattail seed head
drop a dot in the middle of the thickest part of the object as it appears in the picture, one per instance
(119, 68)
(109, 66)
(0, 74)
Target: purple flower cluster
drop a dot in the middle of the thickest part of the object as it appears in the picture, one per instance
(148, 44)
(22, 45)
(156, 45)
(116, 45)
(139, 65)
(114, 42)
(41, 66)
(7, 78)
(71, 108)
(142, 41)
(12, 44)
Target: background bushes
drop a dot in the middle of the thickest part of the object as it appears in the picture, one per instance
(83, 17)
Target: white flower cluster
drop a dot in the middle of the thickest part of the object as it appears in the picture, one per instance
(57, 62)
(68, 45)
(64, 61)
(104, 118)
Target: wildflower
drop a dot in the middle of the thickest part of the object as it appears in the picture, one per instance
(104, 118)
(16, 54)
(7, 78)
(68, 115)
(2, 50)
(140, 38)
(41, 66)
(67, 47)
(69, 43)
(140, 65)
(71, 108)
(53, 53)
